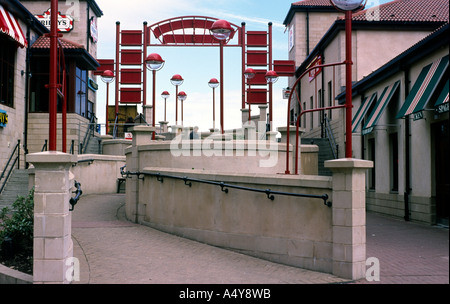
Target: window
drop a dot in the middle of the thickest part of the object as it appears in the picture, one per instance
(393, 143)
(303, 119)
(321, 105)
(371, 157)
(7, 61)
(81, 93)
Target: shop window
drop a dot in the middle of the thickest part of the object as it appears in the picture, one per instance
(81, 93)
(7, 61)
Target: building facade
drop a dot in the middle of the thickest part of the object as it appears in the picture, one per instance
(24, 71)
(379, 35)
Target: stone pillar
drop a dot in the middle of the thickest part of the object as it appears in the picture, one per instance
(52, 246)
(244, 116)
(142, 135)
(164, 128)
(148, 114)
(263, 114)
(349, 216)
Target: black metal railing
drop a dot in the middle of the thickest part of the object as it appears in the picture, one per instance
(6, 172)
(224, 186)
(332, 140)
(45, 146)
(89, 133)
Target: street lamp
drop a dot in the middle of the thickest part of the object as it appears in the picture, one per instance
(348, 6)
(214, 83)
(165, 95)
(271, 78)
(176, 80)
(154, 63)
(107, 77)
(249, 73)
(221, 30)
(182, 97)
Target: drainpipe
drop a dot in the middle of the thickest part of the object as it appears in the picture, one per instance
(27, 94)
(307, 33)
(407, 152)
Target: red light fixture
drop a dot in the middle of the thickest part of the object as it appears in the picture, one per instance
(154, 62)
(221, 29)
(177, 80)
(271, 77)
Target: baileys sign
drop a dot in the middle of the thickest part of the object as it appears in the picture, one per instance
(65, 22)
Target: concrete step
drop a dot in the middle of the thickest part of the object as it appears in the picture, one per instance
(17, 185)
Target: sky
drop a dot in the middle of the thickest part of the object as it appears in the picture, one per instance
(197, 65)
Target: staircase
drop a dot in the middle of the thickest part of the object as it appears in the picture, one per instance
(325, 152)
(93, 145)
(17, 185)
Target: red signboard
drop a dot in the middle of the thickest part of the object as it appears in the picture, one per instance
(259, 79)
(284, 67)
(131, 57)
(130, 95)
(105, 64)
(131, 38)
(257, 58)
(257, 96)
(131, 76)
(256, 38)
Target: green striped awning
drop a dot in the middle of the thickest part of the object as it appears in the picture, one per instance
(365, 105)
(423, 88)
(382, 103)
(442, 104)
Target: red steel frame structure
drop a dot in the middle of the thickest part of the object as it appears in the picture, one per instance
(186, 31)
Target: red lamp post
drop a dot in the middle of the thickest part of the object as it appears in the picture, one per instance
(249, 73)
(176, 80)
(154, 63)
(271, 78)
(221, 30)
(348, 6)
(165, 95)
(53, 83)
(182, 97)
(107, 77)
(214, 83)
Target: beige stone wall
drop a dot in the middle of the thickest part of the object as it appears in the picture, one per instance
(38, 131)
(290, 230)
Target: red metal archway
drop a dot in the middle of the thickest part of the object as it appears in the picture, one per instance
(188, 31)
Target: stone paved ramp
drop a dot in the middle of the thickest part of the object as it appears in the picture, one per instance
(113, 250)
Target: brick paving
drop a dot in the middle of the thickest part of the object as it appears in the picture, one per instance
(113, 250)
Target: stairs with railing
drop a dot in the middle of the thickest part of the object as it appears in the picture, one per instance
(16, 185)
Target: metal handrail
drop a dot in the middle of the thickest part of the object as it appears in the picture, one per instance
(44, 147)
(224, 186)
(89, 133)
(16, 160)
(333, 145)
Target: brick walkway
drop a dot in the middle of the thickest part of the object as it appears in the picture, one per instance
(112, 250)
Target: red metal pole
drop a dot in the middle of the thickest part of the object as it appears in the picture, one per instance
(214, 108)
(221, 87)
(348, 84)
(53, 84)
(117, 66)
(270, 84)
(176, 105)
(144, 69)
(107, 101)
(154, 102)
(244, 45)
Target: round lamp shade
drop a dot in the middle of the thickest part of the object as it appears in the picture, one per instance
(182, 96)
(213, 83)
(249, 73)
(154, 62)
(165, 94)
(221, 29)
(177, 80)
(347, 5)
(107, 76)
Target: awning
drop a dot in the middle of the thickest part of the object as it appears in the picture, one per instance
(442, 104)
(382, 103)
(10, 27)
(365, 105)
(424, 87)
